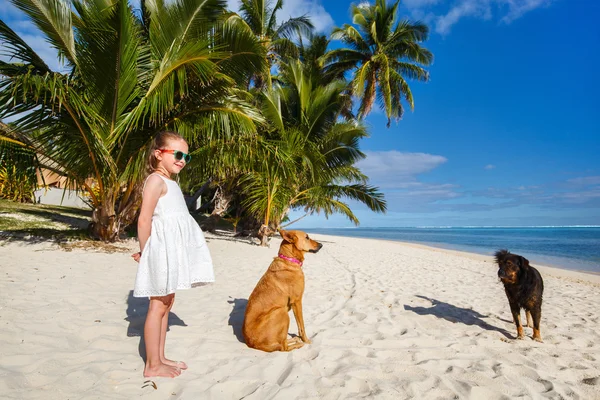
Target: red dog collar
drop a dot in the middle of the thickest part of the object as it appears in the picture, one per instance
(292, 259)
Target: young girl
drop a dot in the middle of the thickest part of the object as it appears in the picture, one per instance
(173, 253)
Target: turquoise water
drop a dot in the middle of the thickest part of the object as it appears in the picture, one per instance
(575, 248)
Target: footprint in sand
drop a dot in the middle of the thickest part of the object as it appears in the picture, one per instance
(285, 373)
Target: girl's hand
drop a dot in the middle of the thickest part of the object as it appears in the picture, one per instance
(136, 256)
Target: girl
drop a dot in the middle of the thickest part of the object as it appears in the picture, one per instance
(173, 253)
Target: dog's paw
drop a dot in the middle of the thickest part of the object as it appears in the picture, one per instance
(307, 341)
(521, 337)
(538, 339)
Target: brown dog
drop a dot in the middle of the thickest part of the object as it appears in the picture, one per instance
(524, 288)
(267, 321)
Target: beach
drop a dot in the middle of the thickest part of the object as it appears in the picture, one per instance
(387, 320)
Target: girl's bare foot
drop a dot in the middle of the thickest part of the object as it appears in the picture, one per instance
(168, 371)
(180, 364)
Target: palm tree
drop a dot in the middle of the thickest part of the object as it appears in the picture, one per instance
(273, 41)
(221, 163)
(382, 53)
(129, 76)
(260, 18)
(311, 165)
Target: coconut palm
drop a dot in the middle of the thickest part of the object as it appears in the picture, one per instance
(221, 163)
(129, 76)
(311, 166)
(260, 18)
(382, 53)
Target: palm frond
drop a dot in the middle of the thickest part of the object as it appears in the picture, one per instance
(53, 18)
(284, 47)
(272, 108)
(109, 45)
(293, 27)
(247, 55)
(15, 47)
(256, 13)
(351, 36)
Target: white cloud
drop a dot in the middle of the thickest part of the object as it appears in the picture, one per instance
(466, 8)
(582, 197)
(517, 8)
(489, 166)
(394, 165)
(233, 5)
(584, 181)
(320, 18)
(420, 3)
(9, 11)
(582, 192)
(396, 174)
(449, 13)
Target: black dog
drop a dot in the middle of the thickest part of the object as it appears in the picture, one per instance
(524, 288)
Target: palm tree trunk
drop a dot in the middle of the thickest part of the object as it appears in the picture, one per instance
(263, 234)
(108, 220)
(221, 201)
(105, 225)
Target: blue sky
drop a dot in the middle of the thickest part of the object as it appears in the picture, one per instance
(504, 133)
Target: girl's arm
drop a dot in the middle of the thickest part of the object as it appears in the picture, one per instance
(154, 189)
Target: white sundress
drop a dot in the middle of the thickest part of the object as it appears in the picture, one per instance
(175, 255)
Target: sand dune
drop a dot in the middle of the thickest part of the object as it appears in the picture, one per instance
(387, 321)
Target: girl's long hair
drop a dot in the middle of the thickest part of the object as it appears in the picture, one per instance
(159, 142)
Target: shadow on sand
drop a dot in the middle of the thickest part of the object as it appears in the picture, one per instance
(42, 229)
(236, 317)
(230, 237)
(137, 308)
(455, 314)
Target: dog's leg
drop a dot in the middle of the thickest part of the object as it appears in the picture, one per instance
(529, 320)
(292, 344)
(273, 331)
(536, 313)
(516, 312)
(297, 308)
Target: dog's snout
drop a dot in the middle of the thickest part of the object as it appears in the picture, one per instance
(319, 245)
(501, 273)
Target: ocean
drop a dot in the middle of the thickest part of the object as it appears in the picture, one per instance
(574, 248)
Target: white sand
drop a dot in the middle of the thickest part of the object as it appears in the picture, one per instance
(387, 321)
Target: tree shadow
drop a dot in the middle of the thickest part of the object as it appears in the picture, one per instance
(43, 235)
(137, 308)
(230, 238)
(455, 314)
(80, 221)
(236, 317)
(37, 224)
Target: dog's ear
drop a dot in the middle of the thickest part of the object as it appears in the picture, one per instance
(523, 263)
(287, 236)
(501, 256)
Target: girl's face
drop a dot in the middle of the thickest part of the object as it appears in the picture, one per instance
(166, 159)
